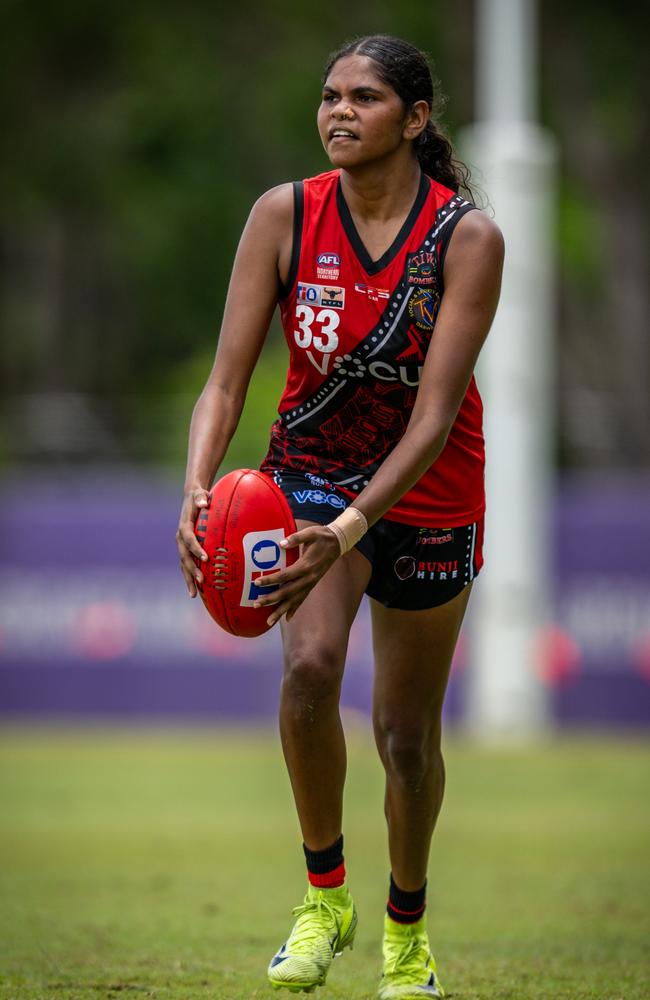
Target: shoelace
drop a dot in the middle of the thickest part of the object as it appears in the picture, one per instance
(406, 953)
(307, 931)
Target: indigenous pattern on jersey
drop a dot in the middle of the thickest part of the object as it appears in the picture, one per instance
(358, 332)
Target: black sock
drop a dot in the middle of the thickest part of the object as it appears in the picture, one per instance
(406, 907)
(325, 868)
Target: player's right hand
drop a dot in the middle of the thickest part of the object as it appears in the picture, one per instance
(188, 546)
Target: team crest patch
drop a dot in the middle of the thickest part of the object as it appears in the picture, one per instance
(333, 297)
(328, 266)
(422, 308)
(421, 269)
(330, 296)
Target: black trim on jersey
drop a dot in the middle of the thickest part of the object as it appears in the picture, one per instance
(298, 215)
(453, 222)
(300, 426)
(369, 265)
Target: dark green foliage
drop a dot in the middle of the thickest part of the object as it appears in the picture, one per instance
(137, 136)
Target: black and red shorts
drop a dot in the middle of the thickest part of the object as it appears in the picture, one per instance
(412, 568)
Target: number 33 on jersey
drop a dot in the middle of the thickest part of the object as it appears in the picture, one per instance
(358, 331)
(317, 320)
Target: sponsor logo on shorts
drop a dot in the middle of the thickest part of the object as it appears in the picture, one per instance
(421, 268)
(328, 266)
(435, 536)
(320, 497)
(407, 566)
(262, 554)
(329, 296)
(437, 570)
(317, 481)
(404, 567)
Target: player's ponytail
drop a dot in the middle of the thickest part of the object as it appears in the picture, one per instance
(436, 157)
(406, 69)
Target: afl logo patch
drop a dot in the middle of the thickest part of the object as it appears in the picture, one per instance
(422, 308)
(328, 260)
(328, 266)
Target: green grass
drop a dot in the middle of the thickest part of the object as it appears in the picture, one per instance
(165, 865)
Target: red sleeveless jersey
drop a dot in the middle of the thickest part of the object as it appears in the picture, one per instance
(358, 332)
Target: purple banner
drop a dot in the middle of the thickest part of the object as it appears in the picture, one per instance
(95, 620)
(601, 672)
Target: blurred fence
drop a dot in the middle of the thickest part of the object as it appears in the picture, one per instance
(95, 621)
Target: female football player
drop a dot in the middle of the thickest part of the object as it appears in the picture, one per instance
(387, 280)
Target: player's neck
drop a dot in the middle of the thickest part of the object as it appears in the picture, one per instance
(378, 192)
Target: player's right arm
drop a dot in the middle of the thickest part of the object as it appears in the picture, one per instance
(261, 264)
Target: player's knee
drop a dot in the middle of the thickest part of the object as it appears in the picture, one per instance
(312, 673)
(409, 754)
(408, 761)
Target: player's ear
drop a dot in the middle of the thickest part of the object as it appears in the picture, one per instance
(416, 120)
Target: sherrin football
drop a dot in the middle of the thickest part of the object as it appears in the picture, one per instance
(241, 530)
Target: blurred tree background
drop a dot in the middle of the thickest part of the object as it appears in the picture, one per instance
(137, 136)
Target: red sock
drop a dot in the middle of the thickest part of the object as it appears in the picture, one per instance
(326, 868)
(406, 907)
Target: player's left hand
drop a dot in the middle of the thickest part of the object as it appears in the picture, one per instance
(319, 549)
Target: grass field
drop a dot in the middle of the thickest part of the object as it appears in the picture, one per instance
(165, 865)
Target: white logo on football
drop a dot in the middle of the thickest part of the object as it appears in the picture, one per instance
(262, 554)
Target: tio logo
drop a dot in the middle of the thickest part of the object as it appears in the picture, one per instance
(262, 554)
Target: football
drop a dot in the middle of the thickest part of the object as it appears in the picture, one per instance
(240, 530)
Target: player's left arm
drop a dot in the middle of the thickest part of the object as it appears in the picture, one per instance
(472, 283)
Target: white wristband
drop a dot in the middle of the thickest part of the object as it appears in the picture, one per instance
(349, 527)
